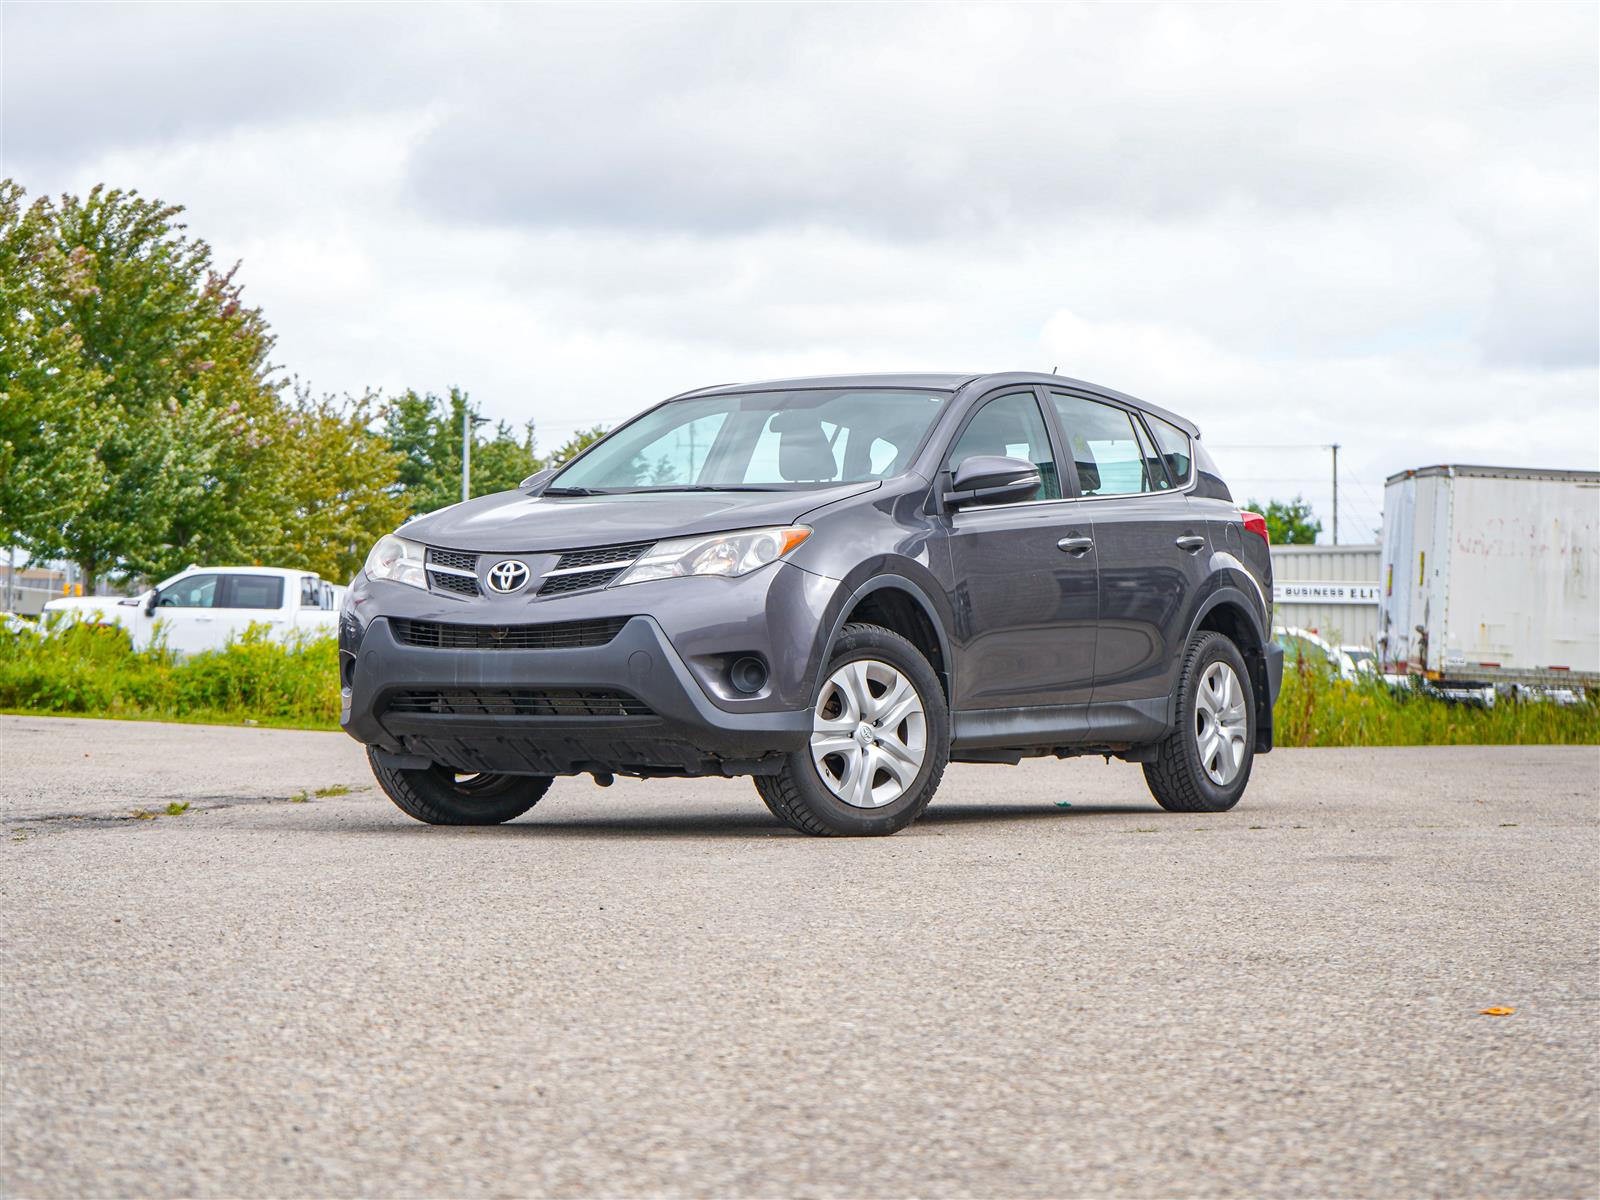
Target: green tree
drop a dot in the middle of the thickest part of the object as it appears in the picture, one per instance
(339, 485)
(579, 441)
(425, 431)
(178, 390)
(48, 468)
(1289, 522)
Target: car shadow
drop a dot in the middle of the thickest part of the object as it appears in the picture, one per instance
(759, 823)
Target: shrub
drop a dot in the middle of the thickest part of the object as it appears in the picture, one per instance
(94, 671)
(1317, 708)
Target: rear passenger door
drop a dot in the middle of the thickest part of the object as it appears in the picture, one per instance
(247, 600)
(1024, 603)
(1152, 547)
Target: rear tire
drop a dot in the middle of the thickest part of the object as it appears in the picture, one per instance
(1204, 763)
(880, 781)
(441, 796)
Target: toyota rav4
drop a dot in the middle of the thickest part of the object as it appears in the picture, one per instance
(833, 585)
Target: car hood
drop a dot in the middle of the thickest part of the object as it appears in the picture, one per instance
(513, 522)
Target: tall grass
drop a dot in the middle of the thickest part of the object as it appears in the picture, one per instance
(94, 671)
(1317, 708)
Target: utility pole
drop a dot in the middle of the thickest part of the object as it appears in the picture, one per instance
(1335, 449)
(468, 422)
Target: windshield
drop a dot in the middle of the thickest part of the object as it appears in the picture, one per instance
(776, 440)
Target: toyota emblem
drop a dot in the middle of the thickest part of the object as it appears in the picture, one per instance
(507, 576)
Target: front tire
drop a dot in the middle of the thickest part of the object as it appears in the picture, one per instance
(441, 796)
(1204, 764)
(880, 741)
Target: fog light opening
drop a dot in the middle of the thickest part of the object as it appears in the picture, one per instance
(748, 675)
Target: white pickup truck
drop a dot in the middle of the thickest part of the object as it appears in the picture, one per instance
(201, 608)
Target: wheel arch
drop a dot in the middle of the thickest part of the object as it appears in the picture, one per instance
(896, 602)
(1228, 611)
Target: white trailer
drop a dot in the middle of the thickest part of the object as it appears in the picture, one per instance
(1491, 575)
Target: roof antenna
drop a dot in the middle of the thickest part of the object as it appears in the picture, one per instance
(1054, 369)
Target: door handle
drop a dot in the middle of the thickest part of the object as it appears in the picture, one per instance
(1076, 546)
(1192, 542)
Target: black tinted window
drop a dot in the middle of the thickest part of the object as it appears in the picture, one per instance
(1174, 444)
(251, 591)
(1011, 427)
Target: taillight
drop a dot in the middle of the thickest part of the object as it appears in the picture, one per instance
(1257, 524)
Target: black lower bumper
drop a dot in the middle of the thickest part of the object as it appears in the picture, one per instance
(628, 707)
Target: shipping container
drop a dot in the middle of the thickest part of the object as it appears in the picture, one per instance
(1492, 575)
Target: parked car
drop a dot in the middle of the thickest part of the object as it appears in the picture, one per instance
(201, 608)
(11, 623)
(836, 586)
(1303, 644)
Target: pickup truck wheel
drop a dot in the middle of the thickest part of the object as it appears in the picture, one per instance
(1204, 764)
(880, 740)
(443, 796)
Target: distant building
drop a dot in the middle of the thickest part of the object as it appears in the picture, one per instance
(1333, 591)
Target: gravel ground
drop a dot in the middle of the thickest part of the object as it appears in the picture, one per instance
(655, 989)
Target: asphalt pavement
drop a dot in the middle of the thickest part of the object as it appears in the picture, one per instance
(1047, 987)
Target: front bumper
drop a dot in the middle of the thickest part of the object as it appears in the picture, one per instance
(671, 727)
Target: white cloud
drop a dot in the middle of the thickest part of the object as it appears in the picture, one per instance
(1297, 224)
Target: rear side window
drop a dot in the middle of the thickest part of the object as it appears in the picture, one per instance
(1105, 447)
(310, 592)
(251, 591)
(1011, 427)
(1174, 445)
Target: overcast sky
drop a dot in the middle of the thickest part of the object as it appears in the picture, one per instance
(1373, 224)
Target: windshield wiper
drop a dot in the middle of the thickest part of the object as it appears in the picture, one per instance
(709, 487)
(575, 491)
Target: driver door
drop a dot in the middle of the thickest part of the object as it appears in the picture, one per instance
(186, 608)
(1022, 583)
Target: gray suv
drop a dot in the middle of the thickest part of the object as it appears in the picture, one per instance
(833, 585)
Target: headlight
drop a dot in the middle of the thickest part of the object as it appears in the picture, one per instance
(396, 560)
(719, 554)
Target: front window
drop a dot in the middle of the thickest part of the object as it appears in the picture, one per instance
(777, 440)
(1010, 427)
(192, 591)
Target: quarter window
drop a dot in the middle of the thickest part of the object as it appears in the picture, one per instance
(1105, 448)
(1011, 427)
(1174, 444)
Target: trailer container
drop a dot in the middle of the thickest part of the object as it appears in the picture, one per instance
(1491, 575)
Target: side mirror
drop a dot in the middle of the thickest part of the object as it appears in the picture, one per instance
(536, 478)
(992, 479)
(150, 602)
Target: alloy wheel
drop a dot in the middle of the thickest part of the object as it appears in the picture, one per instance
(1220, 723)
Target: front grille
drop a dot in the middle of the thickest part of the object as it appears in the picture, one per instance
(554, 583)
(519, 702)
(559, 635)
(459, 559)
(601, 554)
(444, 581)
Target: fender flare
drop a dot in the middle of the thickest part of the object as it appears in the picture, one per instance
(847, 597)
(1229, 592)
